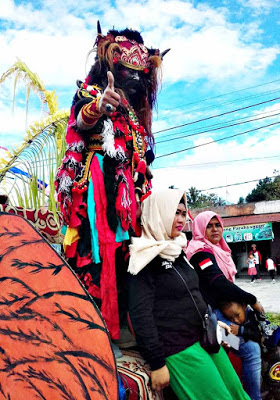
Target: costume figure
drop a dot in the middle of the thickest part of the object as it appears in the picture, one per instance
(108, 139)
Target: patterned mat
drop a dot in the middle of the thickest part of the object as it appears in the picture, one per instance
(135, 375)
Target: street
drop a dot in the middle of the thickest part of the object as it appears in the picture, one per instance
(265, 291)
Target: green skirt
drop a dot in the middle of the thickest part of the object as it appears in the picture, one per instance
(198, 375)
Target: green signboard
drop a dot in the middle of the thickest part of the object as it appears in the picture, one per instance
(246, 233)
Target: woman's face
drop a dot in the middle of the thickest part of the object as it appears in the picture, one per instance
(179, 220)
(214, 231)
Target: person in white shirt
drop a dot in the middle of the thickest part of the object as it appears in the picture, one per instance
(271, 268)
(258, 258)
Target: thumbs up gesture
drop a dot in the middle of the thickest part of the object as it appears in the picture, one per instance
(110, 99)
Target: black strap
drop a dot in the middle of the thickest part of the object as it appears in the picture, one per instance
(185, 283)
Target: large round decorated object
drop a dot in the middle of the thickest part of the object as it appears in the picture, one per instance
(53, 341)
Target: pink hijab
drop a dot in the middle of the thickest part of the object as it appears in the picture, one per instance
(221, 250)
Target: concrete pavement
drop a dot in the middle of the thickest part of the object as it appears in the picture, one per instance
(265, 291)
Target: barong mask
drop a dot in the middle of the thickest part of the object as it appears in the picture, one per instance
(135, 68)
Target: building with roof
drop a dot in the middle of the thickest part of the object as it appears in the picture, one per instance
(245, 224)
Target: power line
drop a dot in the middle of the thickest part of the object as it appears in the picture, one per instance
(217, 115)
(222, 95)
(236, 184)
(219, 105)
(218, 162)
(217, 124)
(218, 128)
(218, 140)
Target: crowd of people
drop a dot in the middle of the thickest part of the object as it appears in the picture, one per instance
(254, 261)
(127, 245)
(167, 276)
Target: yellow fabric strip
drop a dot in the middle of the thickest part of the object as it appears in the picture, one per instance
(71, 236)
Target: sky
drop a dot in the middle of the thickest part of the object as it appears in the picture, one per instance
(217, 120)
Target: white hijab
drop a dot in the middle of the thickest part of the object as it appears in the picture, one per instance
(158, 213)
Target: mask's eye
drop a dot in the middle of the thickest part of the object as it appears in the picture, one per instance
(127, 73)
(123, 73)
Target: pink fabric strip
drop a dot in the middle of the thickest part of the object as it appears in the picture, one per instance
(107, 248)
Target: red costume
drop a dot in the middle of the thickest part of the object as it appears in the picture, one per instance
(96, 182)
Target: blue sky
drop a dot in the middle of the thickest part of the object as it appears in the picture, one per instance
(224, 57)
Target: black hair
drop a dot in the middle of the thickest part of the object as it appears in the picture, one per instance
(129, 34)
(183, 201)
(226, 304)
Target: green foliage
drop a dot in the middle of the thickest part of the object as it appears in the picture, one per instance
(198, 200)
(266, 189)
(20, 71)
(241, 200)
(274, 318)
(41, 151)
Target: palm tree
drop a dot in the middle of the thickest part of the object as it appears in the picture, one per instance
(27, 173)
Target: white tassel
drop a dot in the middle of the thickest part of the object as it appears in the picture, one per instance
(65, 184)
(76, 146)
(108, 142)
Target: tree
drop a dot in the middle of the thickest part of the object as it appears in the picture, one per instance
(241, 200)
(198, 200)
(266, 189)
(194, 197)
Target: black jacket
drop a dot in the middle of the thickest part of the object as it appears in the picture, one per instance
(163, 315)
(213, 284)
(251, 329)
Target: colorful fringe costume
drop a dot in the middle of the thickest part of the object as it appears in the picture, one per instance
(105, 167)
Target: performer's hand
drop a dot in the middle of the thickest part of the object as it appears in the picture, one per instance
(109, 96)
(160, 378)
(234, 329)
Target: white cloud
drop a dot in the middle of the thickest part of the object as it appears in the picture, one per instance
(216, 53)
(13, 123)
(54, 40)
(259, 6)
(205, 176)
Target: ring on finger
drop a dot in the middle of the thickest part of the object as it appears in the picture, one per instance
(109, 108)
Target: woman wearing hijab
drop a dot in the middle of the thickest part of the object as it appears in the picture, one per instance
(210, 255)
(165, 321)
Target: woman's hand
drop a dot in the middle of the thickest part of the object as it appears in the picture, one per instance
(160, 378)
(258, 307)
